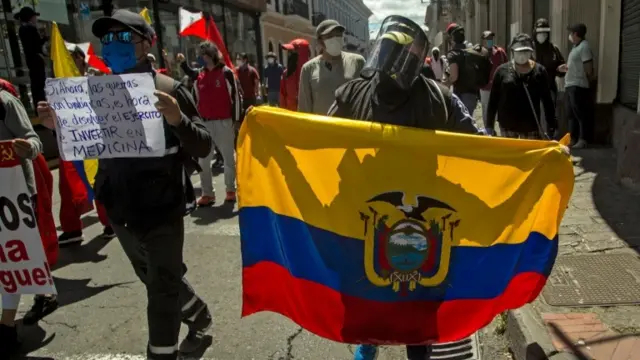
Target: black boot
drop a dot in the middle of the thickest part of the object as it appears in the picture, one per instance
(197, 331)
(42, 306)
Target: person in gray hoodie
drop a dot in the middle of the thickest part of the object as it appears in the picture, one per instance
(15, 126)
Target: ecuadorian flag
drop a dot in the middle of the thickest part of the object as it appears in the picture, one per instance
(63, 66)
(369, 233)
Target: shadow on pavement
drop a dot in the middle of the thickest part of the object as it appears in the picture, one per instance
(32, 338)
(73, 291)
(618, 205)
(87, 252)
(210, 215)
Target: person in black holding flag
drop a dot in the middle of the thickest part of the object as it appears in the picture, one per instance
(392, 90)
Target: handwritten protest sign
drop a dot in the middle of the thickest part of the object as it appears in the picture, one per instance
(101, 117)
(23, 265)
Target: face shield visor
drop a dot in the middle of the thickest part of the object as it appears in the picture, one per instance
(399, 51)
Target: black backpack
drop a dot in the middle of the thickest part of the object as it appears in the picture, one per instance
(477, 66)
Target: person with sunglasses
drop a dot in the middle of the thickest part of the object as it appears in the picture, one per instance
(144, 197)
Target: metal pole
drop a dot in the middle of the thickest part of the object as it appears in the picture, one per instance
(258, 31)
(15, 53)
(158, 28)
(224, 26)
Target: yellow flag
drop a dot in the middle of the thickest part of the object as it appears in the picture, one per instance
(63, 65)
(145, 15)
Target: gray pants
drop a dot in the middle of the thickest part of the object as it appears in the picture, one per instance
(223, 135)
(156, 256)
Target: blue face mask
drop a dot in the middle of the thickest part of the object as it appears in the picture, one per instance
(489, 43)
(201, 61)
(119, 56)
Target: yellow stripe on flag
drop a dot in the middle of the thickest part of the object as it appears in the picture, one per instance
(63, 65)
(145, 14)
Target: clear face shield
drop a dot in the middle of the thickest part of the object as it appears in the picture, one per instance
(399, 51)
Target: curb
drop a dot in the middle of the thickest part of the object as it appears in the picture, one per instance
(528, 337)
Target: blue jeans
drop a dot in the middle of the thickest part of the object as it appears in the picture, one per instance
(470, 101)
(273, 97)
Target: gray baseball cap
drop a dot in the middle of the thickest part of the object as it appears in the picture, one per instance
(327, 26)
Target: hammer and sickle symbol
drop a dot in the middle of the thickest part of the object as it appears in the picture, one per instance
(7, 155)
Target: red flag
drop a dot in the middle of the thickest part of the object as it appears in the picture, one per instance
(214, 36)
(192, 24)
(95, 62)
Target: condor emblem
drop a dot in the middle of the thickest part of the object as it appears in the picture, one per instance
(403, 248)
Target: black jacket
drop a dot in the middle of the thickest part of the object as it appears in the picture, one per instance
(549, 56)
(145, 192)
(32, 43)
(509, 101)
(429, 106)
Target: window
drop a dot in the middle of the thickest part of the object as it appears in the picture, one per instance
(241, 34)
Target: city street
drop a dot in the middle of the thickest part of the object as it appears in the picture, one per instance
(103, 305)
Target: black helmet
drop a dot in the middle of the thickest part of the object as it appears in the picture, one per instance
(399, 51)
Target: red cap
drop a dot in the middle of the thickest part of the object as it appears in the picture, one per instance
(295, 44)
(452, 27)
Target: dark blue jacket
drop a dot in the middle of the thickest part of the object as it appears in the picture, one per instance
(272, 75)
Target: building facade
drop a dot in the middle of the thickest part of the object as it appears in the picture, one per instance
(613, 33)
(286, 20)
(353, 14)
(238, 22)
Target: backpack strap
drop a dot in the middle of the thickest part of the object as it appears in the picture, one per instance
(440, 96)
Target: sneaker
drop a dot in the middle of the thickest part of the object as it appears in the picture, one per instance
(580, 144)
(42, 306)
(194, 339)
(365, 352)
(70, 238)
(231, 196)
(206, 200)
(108, 233)
(10, 343)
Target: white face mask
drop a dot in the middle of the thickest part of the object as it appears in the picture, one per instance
(271, 60)
(541, 38)
(571, 38)
(334, 45)
(239, 63)
(521, 57)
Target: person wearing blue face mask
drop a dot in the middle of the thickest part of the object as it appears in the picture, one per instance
(144, 198)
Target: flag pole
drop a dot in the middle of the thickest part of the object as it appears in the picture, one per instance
(158, 28)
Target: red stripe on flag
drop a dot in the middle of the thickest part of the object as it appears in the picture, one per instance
(197, 29)
(347, 319)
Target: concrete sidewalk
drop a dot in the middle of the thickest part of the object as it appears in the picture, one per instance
(603, 218)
